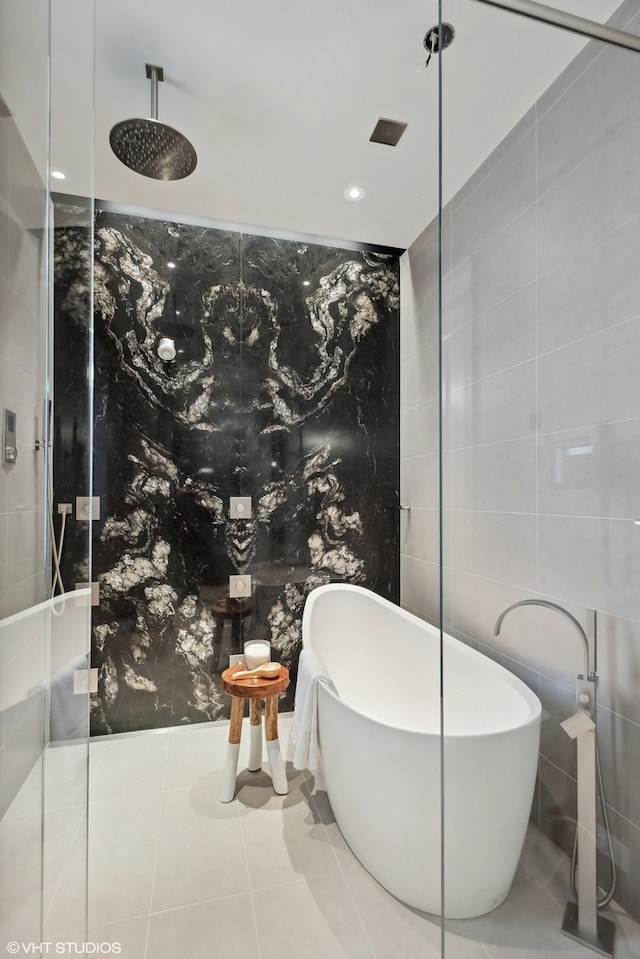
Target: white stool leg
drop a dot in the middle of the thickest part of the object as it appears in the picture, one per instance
(230, 772)
(233, 750)
(255, 745)
(278, 774)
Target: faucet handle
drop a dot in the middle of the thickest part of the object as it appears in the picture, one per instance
(586, 693)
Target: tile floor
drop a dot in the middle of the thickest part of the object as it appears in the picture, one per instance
(175, 874)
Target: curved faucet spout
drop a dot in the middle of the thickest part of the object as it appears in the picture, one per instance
(559, 609)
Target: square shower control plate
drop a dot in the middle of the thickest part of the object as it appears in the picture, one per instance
(239, 587)
(240, 507)
(87, 507)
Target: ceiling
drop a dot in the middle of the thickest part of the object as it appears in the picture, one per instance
(279, 98)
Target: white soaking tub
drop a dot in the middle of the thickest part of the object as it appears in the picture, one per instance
(381, 750)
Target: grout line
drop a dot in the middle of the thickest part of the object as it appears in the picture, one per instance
(342, 873)
(188, 905)
(84, 815)
(155, 858)
(244, 843)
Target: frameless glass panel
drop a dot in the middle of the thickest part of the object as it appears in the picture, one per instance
(540, 218)
(43, 635)
(235, 363)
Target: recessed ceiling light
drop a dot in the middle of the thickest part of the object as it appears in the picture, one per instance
(171, 266)
(354, 192)
(58, 175)
(306, 282)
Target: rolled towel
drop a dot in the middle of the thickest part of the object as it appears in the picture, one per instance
(304, 732)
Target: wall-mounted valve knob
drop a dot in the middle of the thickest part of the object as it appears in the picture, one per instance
(240, 507)
(239, 586)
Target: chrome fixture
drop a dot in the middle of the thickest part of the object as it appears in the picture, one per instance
(559, 609)
(167, 349)
(438, 38)
(152, 148)
(581, 920)
(568, 21)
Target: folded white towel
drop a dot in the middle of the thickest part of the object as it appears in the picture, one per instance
(304, 732)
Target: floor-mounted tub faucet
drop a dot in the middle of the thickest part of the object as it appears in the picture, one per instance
(581, 920)
(586, 670)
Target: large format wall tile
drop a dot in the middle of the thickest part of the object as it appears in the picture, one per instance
(499, 546)
(503, 337)
(596, 289)
(568, 218)
(591, 471)
(497, 477)
(284, 388)
(500, 268)
(592, 562)
(592, 381)
(498, 408)
(22, 369)
(507, 191)
(567, 132)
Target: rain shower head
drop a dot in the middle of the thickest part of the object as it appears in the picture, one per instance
(150, 147)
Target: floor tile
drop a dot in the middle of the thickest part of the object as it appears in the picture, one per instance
(224, 928)
(528, 922)
(123, 835)
(20, 875)
(197, 757)
(396, 930)
(284, 838)
(200, 849)
(67, 897)
(192, 860)
(129, 934)
(627, 934)
(28, 801)
(315, 919)
(61, 831)
(130, 767)
(66, 775)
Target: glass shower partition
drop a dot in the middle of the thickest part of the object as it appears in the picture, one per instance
(540, 411)
(44, 621)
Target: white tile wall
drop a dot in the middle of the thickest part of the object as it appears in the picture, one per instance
(22, 371)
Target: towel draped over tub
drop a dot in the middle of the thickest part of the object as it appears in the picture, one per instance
(304, 732)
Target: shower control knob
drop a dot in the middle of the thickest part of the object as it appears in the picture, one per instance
(240, 508)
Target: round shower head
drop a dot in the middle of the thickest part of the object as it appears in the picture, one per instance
(153, 149)
(150, 147)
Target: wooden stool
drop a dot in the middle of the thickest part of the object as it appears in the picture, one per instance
(254, 689)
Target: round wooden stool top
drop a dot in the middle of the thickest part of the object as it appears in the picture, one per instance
(254, 687)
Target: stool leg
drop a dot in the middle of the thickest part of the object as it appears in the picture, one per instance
(233, 749)
(278, 775)
(255, 748)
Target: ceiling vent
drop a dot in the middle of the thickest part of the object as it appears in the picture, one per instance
(388, 132)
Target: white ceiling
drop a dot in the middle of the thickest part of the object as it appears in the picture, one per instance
(279, 98)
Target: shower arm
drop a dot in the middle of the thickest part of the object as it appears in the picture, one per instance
(155, 74)
(586, 681)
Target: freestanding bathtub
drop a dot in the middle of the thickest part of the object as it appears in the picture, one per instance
(381, 750)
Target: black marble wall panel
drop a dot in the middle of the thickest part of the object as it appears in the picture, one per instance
(284, 388)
